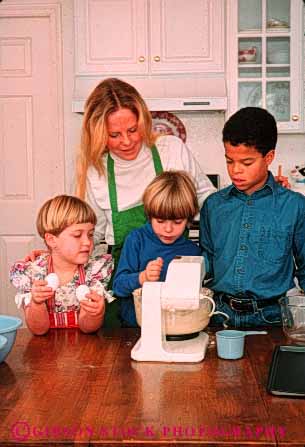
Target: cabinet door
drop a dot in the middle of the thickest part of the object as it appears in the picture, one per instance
(187, 36)
(265, 57)
(111, 36)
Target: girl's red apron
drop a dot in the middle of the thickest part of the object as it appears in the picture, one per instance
(68, 319)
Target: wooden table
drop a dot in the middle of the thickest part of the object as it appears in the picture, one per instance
(68, 388)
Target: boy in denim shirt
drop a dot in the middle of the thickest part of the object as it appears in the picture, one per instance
(252, 233)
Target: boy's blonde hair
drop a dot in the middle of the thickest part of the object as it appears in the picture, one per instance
(62, 211)
(108, 97)
(171, 195)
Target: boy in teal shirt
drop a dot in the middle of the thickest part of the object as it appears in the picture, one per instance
(252, 233)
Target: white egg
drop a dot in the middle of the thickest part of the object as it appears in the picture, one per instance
(81, 291)
(52, 280)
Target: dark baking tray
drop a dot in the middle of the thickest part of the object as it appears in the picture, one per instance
(287, 371)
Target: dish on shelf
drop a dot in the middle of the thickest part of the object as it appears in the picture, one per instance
(250, 96)
(254, 98)
(277, 23)
(277, 99)
(247, 55)
(166, 123)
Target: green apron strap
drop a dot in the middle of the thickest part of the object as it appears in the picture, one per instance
(123, 222)
(156, 160)
(111, 184)
(111, 178)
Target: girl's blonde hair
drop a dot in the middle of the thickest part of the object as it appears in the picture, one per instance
(62, 211)
(171, 195)
(109, 96)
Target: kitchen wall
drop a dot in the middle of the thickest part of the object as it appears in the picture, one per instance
(203, 136)
(203, 128)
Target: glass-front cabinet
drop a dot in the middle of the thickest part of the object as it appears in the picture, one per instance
(266, 58)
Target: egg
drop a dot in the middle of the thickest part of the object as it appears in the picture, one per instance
(52, 280)
(81, 292)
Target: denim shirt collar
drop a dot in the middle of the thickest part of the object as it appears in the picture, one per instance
(269, 186)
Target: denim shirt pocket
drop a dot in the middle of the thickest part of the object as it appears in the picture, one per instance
(273, 243)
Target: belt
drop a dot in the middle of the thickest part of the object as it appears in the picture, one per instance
(247, 304)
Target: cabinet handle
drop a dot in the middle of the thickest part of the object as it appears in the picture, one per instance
(157, 59)
(295, 117)
(141, 59)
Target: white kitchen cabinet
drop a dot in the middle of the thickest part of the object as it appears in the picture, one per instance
(265, 59)
(111, 36)
(149, 37)
(186, 36)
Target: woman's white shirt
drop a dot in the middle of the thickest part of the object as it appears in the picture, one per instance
(132, 177)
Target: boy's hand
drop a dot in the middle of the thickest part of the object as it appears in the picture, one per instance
(281, 179)
(152, 271)
(33, 255)
(41, 292)
(94, 305)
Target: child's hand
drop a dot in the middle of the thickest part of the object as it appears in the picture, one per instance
(94, 305)
(41, 292)
(282, 180)
(152, 271)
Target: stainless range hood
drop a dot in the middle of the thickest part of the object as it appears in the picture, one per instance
(174, 94)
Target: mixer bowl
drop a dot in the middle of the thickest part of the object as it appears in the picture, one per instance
(293, 317)
(181, 322)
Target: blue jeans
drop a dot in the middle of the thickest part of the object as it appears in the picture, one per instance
(266, 316)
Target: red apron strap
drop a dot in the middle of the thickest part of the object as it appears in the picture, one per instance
(81, 273)
(51, 301)
(50, 265)
(67, 319)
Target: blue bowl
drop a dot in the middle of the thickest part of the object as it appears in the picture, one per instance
(3, 342)
(8, 330)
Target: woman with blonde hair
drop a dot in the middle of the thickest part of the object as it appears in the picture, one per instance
(120, 155)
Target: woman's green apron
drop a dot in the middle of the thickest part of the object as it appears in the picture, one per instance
(123, 222)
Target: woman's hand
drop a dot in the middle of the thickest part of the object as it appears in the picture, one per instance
(33, 255)
(94, 305)
(152, 271)
(41, 292)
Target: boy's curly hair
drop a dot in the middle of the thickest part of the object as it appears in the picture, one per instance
(251, 126)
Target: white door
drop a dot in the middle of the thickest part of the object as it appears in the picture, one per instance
(31, 143)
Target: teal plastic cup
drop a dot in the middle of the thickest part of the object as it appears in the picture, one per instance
(231, 343)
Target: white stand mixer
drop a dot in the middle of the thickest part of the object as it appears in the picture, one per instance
(181, 290)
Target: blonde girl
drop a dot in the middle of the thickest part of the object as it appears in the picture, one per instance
(66, 224)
